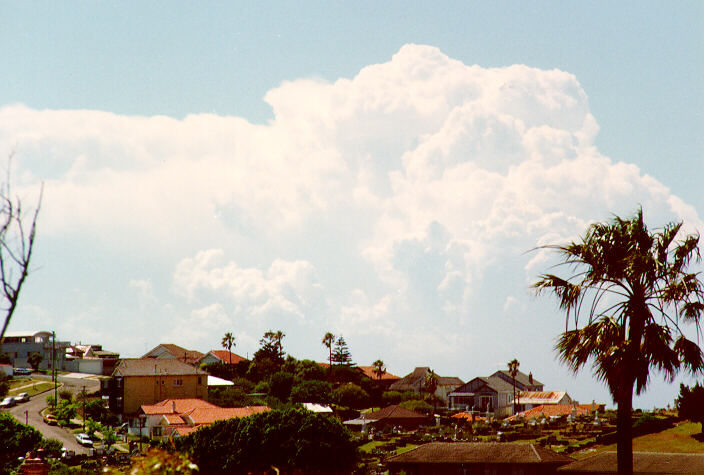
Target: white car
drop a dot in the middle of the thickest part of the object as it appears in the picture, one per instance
(22, 397)
(84, 439)
(8, 402)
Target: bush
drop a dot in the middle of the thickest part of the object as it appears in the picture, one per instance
(351, 395)
(280, 385)
(66, 395)
(16, 440)
(312, 391)
(418, 406)
(308, 370)
(262, 387)
(289, 440)
(390, 398)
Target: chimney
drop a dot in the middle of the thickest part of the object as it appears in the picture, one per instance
(530, 378)
(173, 406)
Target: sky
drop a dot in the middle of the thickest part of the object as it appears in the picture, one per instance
(383, 171)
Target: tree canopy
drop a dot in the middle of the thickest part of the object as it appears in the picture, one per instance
(288, 440)
(627, 297)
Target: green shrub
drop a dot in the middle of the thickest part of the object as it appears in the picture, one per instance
(418, 406)
(289, 440)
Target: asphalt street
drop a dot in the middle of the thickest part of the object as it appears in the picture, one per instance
(30, 412)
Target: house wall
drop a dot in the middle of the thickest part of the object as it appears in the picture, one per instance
(139, 390)
(84, 365)
(19, 348)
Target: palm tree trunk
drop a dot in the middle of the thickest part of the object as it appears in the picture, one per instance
(624, 432)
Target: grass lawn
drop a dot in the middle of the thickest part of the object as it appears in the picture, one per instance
(680, 439)
(37, 386)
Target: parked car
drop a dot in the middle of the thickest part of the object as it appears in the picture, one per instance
(50, 419)
(8, 402)
(22, 371)
(22, 397)
(84, 439)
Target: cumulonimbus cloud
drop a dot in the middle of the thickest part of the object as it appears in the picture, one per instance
(389, 205)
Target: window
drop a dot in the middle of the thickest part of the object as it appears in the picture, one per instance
(178, 382)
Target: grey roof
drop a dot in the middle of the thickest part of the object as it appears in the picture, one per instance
(153, 367)
(408, 382)
(479, 452)
(521, 378)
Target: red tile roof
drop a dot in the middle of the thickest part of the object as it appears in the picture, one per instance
(173, 419)
(553, 410)
(181, 405)
(200, 416)
(369, 373)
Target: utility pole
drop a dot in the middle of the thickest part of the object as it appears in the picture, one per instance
(83, 395)
(54, 375)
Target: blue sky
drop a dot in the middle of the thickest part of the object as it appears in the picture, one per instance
(246, 166)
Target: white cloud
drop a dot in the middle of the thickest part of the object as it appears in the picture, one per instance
(398, 204)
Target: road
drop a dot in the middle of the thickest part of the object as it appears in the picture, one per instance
(31, 411)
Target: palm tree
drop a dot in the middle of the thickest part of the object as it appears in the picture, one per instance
(328, 341)
(633, 288)
(513, 371)
(431, 384)
(379, 369)
(228, 341)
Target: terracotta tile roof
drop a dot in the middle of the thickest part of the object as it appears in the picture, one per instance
(369, 373)
(183, 431)
(181, 406)
(551, 410)
(480, 452)
(394, 412)
(154, 366)
(224, 356)
(643, 462)
(200, 416)
(173, 419)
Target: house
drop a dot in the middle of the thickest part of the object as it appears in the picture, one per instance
(417, 381)
(150, 415)
(390, 416)
(462, 458)
(20, 344)
(90, 359)
(139, 381)
(221, 356)
(529, 399)
(493, 394)
(484, 394)
(643, 463)
(171, 351)
(386, 380)
(177, 417)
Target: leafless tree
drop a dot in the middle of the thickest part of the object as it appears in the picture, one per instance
(17, 234)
